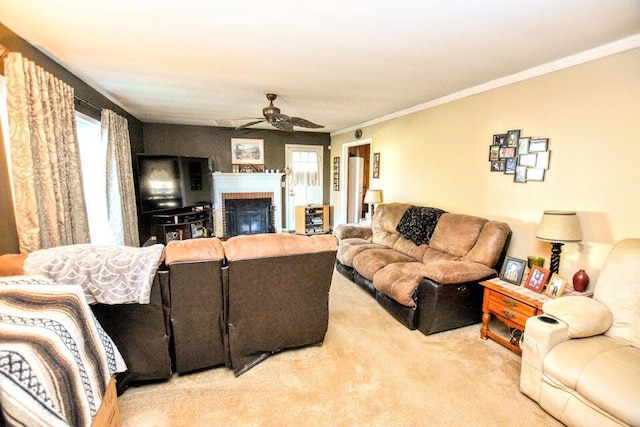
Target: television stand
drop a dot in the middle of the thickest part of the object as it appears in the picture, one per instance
(189, 223)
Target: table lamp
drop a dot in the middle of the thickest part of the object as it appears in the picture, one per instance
(558, 227)
(372, 197)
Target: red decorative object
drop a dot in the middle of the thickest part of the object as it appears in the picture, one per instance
(580, 281)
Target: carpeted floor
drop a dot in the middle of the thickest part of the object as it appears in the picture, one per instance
(370, 371)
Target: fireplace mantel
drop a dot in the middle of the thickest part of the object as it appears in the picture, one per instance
(246, 183)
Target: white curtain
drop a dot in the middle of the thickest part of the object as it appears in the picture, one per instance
(121, 197)
(45, 160)
(305, 169)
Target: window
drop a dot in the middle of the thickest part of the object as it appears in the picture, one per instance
(93, 158)
(305, 168)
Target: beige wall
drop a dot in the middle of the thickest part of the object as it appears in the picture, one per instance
(591, 113)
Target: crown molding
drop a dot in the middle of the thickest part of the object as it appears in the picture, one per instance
(603, 51)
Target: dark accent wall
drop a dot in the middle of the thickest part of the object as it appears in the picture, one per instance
(10, 40)
(215, 143)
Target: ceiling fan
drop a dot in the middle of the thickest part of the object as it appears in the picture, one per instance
(278, 120)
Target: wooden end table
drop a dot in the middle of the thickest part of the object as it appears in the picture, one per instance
(512, 305)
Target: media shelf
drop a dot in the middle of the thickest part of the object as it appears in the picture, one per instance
(192, 223)
(312, 219)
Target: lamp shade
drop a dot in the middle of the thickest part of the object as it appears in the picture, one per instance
(373, 196)
(559, 226)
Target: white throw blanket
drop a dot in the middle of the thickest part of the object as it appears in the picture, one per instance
(108, 274)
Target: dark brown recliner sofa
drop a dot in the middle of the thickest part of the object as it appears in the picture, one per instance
(141, 333)
(197, 304)
(277, 294)
(422, 264)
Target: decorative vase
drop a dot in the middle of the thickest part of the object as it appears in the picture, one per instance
(580, 281)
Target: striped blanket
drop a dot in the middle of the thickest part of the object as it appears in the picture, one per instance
(108, 274)
(55, 359)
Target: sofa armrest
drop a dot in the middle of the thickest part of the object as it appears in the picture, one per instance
(539, 337)
(584, 316)
(348, 231)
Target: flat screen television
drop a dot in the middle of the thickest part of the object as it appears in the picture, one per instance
(172, 182)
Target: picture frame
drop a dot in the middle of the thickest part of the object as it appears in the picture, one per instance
(336, 174)
(497, 166)
(537, 278)
(535, 174)
(513, 270)
(520, 174)
(505, 152)
(512, 138)
(500, 139)
(538, 144)
(494, 152)
(523, 145)
(528, 160)
(245, 151)
(542, 159)
(510, 165)
(556, 286)
(376, 165)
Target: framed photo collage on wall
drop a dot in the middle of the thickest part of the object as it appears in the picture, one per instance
(526, 158)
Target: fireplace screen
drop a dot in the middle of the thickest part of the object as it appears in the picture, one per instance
(248, 216)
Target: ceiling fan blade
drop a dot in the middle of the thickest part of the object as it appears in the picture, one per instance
(250, 124)
(283, 125)
(303, 123)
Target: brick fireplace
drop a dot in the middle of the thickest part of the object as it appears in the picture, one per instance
(249, 186)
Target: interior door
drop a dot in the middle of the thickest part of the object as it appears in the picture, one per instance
(303, 179)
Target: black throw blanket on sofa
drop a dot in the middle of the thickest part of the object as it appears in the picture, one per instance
(417, 223)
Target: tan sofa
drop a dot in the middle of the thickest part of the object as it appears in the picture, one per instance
(584, 368)
(423, 265)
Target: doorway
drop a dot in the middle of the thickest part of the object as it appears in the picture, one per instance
(304, 178)
(353, 200)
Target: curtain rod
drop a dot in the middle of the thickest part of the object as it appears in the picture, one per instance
(87, 103)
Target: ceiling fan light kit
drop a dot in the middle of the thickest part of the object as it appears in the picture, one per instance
(278, 120)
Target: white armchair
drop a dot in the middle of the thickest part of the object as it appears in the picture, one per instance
(584, 367)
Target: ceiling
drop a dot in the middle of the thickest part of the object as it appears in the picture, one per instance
(336, 63)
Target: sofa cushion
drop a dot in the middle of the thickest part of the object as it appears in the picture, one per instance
(399, 281)
(407, 247)
(368, 262)
(603, 370)
(387, 216)
(447, 272)
(456, 233)
(492, 240)
(349, 248)
(267, 245)
(431, 255)
(585, 316)
(190, 250)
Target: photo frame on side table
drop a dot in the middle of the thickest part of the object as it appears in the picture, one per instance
(512, 270)
(537, 278)
(556, 285)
